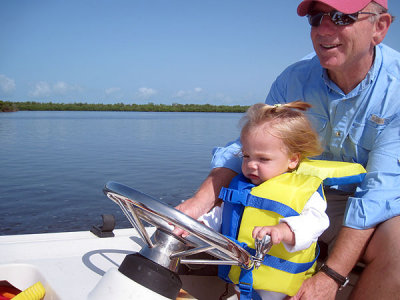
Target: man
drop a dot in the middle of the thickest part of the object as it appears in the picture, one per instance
(353, 83)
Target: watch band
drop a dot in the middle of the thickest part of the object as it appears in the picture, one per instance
(341, 280)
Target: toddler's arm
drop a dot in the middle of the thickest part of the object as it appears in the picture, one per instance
(299, 232)
(309, 225)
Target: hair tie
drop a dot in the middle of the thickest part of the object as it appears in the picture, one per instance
(277, 105)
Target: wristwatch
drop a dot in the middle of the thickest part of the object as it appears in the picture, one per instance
(341, 280)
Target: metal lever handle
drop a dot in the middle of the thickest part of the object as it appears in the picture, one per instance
(262, 248)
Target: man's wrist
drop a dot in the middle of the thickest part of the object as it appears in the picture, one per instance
(342, 281)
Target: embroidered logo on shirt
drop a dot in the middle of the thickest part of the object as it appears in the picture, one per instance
(377, 120)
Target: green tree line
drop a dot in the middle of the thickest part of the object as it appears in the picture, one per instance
(6, 106)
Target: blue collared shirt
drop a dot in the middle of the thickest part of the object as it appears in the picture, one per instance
(362, 126)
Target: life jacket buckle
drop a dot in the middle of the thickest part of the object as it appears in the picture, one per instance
(234, 196)
(245, 287)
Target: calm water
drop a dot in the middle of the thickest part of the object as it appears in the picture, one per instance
(53, 165)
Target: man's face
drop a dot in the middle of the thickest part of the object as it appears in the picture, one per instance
(343, 48)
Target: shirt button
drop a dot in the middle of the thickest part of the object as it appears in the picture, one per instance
(338, 133)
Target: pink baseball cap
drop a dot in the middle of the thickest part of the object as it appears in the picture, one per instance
(344, 6)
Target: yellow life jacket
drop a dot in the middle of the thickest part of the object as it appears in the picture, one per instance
(247, 206)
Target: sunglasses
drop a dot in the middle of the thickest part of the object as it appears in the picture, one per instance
(337, 17)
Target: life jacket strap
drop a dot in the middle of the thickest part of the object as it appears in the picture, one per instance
(245, 286)
(278, 263)
(271, 205)
(244, 198)
(352, 179)
(285, 265)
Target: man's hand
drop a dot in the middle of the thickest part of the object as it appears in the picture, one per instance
(320, 286)
(206, 197)
(189, 208)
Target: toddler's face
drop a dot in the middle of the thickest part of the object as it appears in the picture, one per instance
(264, 155)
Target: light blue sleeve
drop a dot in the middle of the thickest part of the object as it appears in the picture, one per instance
(228, 156)
(377, 199)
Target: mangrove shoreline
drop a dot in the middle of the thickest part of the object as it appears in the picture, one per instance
(7, 106)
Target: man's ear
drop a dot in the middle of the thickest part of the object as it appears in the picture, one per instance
(294, 160)
(381, 27)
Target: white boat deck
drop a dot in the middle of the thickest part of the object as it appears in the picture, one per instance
(70, 264)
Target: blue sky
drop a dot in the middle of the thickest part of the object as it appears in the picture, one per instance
(162, 51)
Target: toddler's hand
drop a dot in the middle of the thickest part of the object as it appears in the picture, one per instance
(275, 232)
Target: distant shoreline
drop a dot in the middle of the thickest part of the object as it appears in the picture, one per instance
(7, 106)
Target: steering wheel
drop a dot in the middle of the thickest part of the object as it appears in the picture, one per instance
(138, 206)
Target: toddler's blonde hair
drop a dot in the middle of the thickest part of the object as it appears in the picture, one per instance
(288, 123)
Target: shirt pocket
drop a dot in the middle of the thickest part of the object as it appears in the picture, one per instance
(364, 135)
